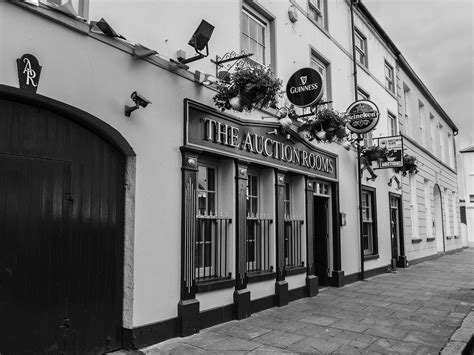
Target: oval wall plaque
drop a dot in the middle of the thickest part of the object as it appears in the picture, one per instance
(305, 87)
(363, 116)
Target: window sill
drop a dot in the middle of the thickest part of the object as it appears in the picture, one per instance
(318, 25)
(449, 237)
(257, 276)
(371, 257)
(430, 239)
(416, 241)
(214, 285)
(295, 270)
(456, 237)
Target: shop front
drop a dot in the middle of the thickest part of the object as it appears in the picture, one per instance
(260, 218)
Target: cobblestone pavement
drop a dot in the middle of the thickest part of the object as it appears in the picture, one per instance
(412, 311)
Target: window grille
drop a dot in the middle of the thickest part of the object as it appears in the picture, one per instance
(258, 243)
(212, 243)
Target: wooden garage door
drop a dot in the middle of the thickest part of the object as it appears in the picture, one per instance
(61, 235)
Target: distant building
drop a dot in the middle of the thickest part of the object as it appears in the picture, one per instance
(466, 181)
(132, 210)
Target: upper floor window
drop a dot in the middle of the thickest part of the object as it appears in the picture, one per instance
(323, 68)
(432, 132)
(421, 116)
(393, 126)
(317, 12)
(81, 7)
(389, 82)
(406, 99)
(361, 48)
(441, 150)
(255, 37)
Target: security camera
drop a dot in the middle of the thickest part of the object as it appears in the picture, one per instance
(139, 100)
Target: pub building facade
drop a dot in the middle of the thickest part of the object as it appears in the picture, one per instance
(133, 211)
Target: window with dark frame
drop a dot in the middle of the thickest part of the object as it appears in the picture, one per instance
(211, 228)
(392, 121)
(361, 48)
(323, 69)
(389, 82)
(254, 38)
(258, 228)
(369, 227)
(317, 12)
(292, 230)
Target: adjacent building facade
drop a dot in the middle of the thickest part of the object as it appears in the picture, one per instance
(466, 194)
(122, 231)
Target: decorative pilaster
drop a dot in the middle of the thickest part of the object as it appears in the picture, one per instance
(241, 294)
(188, 307)
(312, 282)
(281, 286)
(337, 273)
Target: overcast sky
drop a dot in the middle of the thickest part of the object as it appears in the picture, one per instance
(436, 37)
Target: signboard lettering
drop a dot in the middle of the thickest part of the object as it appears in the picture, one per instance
(29, 72)
(363, 116)
(260, 142)
(394, 146)
(305, 87)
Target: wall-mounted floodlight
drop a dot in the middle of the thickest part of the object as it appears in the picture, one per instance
(198, 41)
(105, 28)
(139, 100)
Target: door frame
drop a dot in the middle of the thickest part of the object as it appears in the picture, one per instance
(337, 276)
(401, 258)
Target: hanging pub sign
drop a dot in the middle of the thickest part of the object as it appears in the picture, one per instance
(305, 87)
(394, 145)
(29, 72)
(362, 116)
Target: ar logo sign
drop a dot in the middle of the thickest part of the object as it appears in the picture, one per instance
(29, 72)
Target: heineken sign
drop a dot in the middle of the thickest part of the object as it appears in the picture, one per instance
(305, 87)
(362, 116)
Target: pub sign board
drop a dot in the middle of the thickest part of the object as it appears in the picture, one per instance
(29, 71)
(394, 144)
(260, 142)
(362, 116)
(305, 87)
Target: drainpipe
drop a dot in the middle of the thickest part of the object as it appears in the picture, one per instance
(359, 138)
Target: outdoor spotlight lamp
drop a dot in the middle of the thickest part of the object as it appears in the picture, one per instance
(198, 41)
(139, 100)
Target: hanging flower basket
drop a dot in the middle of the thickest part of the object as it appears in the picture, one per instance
(327, 125)
(368, 155)
(409, 166)
(248, 87)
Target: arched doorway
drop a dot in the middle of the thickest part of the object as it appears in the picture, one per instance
(438, 219)
(61, 233)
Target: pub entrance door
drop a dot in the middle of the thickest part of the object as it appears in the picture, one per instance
(321, 239)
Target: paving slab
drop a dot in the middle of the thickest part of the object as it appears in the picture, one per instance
(424, 309)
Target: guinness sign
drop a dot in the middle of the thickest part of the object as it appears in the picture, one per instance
(362, 116)
(305, 87)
